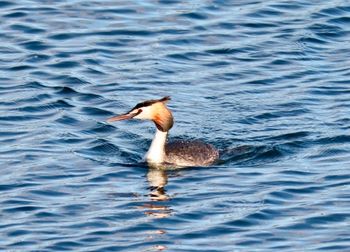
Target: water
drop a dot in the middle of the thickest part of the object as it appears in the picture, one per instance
(266, 82)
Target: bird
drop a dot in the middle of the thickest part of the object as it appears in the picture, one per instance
(180, 153)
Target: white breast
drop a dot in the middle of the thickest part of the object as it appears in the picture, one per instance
(156, 152)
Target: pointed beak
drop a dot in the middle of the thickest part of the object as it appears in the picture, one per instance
(121, 117)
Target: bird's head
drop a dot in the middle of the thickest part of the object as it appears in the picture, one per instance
(154, 110)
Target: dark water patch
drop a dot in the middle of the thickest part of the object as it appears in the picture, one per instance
(243, 223)
(173, 31)
(337, 177)
(188, 56)
(114, 248)
(290, 136)
(288, 6)
(334, 247)
(64, 36)
(65, 64)
(326, 219)
(19, 232)
(30, 30)
(297, 173)
(21, 68)
(95, 111)
(312, 40)
(52, 10)
(270, 153)
(92, 62)
(106, 52)
(56, 176)
(227, 25)
(111, 43)
(95, 236)
(280, 62)
(224, 51)
(217, 64)
(263, 82)
(21, 209)
(194, 15)
(169, 2)
(329, 153)
(282, 195)
(336, 11)
(118, 11)
(13, 105)
(15, 14)
(100, 128)
(10, 136)
(64, 246)
(135, 32)
(329, 91)
(286, 183)
(340, 21)
(100, 147)
(23, 244)
(120, 32)
(60, 104)
(93, 71)
(259, 25)
(7, 187)
(22, 118)
(70, 92)
(239, 154)
(74, 209)
(316, 222)
(327, 31)
(5, 4)
(63, 55)
(275, 115)
(305, 190)
(259, 216)
(67, 120)
(246, 154)
(35, 45)
(340, 139)
(16, 202)
(249, 243)
(8, 50)
(70, 81)
(91, 98)
(40, 74)
(66, 91)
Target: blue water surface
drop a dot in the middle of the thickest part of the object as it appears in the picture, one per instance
(266, 82)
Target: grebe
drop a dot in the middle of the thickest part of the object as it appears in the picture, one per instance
(179, 153)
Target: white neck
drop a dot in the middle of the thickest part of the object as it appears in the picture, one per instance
(156, 152)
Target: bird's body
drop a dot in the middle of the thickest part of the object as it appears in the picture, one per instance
(181, 153)
(178, 153)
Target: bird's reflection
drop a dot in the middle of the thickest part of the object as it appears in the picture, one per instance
(158, 205)
(157, 180)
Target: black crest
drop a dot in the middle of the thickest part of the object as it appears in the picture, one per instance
(150, 102)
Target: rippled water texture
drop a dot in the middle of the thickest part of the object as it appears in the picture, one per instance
(266, 82)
